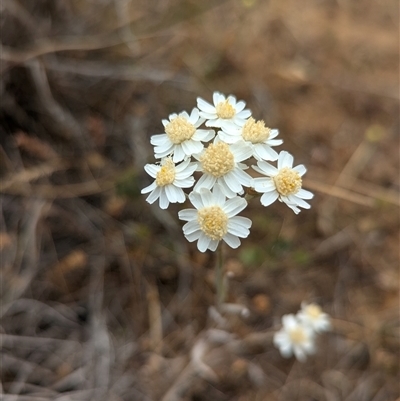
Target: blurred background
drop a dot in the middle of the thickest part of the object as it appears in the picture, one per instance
(102, 298)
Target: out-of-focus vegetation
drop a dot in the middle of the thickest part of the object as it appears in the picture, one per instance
(101, 296)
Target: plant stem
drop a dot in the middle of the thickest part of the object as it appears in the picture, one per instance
(219, 277)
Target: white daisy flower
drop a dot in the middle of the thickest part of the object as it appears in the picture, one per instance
(312, 315)
(214, 219)
(169, 179)
(294, 338)
(182, 137)
(283, 183)
(255, 134)
(225, 113)
(221, 163)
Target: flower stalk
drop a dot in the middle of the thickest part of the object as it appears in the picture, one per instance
(219, 276)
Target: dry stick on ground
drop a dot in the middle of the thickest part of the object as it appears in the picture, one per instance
(68, 126)
(46, 47)
(127, 35)
(21, 178)
(115, 71)
(351, 170)
(27, 251)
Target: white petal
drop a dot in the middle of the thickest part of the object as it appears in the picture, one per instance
(185, 170)
(286, 350)
(232, 182)
(206, 197)
(300, 169)
(203, 242)
(269, 197)
(240, 220)
(232, 100)
(187, 214)
(228, 138)
(294, 208)
(300, 354)
(274, 142)
(219, 197)
(234, 206)
(231, 240)
(205, 106)
(191, 227)
(293, 199)
(154, 195)
(152, 169)
(281, 338)
(213, 245)
(263, 185)
(237, 229)
(163, 201)
(240, 105)
(229, 125)
(285, 159)
(159, 152)
(196, 200)
(208, 116)
(194, 116)
(267, 169)
(185, 115)
(203, 135)
(289, 321)
(205, 181)
(190, 147)
(218, 97)
(241, 151)
(193, 236)
(148, 189)
(244, 114)
(174, 194)
(273, 133)
(179, 154)
(225, 189)
(159, 140)
(184, 183)
(244, 178)
(199, 121)
(264, 152)
(212, 121)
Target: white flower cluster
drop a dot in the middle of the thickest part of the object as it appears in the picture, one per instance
(218, 193)
(299, 331)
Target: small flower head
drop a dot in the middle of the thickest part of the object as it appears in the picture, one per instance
(224, 113)
(220, 163)
(214, 219)
(294, 338)
(283, 183)
(169, 181)
(182, 137)
(257, 135)
(312, 315)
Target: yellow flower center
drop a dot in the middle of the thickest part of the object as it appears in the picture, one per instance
(217, 159)
(287, 181)
(166, 175)
(297, 335)
(255, 131)
(179, 130)
(313, 311)
(213, 222)
(225, 110)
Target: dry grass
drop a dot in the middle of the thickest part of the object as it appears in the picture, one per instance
(101, 296)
